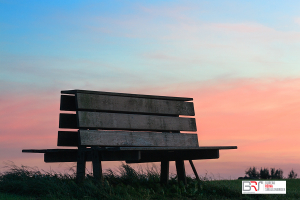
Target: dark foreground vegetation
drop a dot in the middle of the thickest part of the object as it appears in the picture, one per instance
(29, 183)
(265, 173)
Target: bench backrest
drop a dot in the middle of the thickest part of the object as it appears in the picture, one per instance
(119, 119)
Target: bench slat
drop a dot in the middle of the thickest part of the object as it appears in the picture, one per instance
(118, 121)
(129, 104)
(158, 156)
(67, 120)
(123, 138)
(67, 103)
(126, 95)
(71, 156)
(126, 139)
(135, 156)
(172, 148)
(67, 138)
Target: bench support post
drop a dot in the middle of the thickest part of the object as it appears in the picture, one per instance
(97, 167)
(180, 171)
(194, 170)
(81, 161)
(164, 172)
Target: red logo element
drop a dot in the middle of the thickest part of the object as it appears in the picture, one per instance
(268, 186)
(253, 185)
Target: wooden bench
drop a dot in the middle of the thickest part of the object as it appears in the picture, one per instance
(127, 127)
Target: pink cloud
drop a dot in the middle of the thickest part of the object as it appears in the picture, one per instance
(297, 20)
(258, 116)
(26, 120)
(243, 27)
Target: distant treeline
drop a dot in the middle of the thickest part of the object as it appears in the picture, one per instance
(265, 173)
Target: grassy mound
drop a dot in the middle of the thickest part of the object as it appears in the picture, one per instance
(30, 183)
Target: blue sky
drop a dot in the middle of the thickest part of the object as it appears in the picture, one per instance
(168, 40)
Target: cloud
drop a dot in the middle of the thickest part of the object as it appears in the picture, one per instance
(174, 37)
(297, 20)
(150, 45)
(260, 116)
(243, 27)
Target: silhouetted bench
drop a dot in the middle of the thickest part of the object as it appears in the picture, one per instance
(127, 127)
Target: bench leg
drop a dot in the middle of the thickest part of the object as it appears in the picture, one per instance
(180, 171)
(97, 167)
(81, 161)
(164, 172)
(194, 170)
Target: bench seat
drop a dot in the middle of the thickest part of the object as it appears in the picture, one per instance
(132, 149)
(133, 154)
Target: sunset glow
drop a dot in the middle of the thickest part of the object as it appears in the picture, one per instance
(238, 60)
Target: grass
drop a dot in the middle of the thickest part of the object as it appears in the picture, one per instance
(26, 183)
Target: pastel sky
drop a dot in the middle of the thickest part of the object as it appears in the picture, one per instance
(239, 60)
